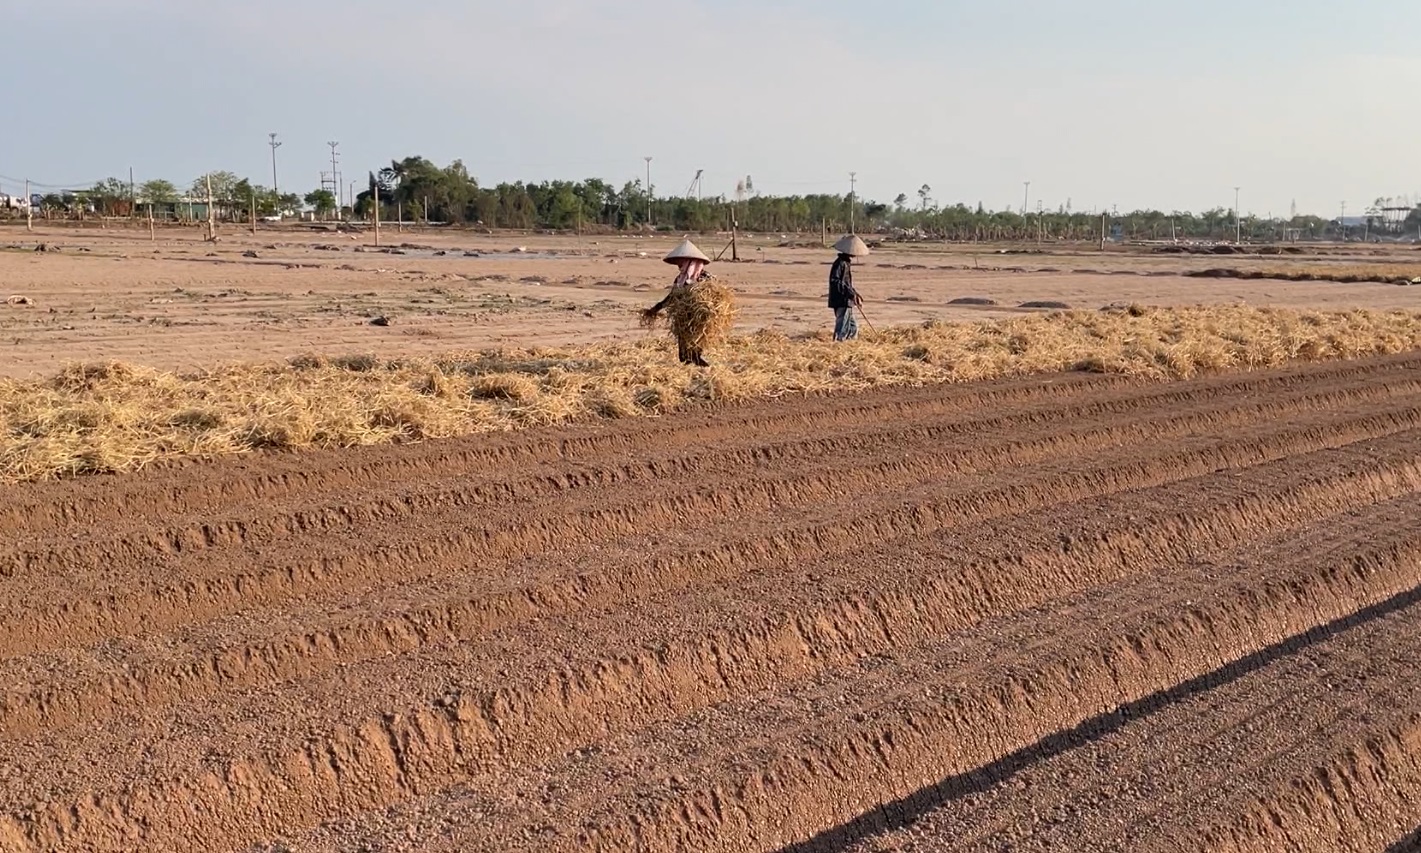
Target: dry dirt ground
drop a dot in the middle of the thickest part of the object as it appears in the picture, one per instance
(1070, 612)
(178, 302)
(1060, 613)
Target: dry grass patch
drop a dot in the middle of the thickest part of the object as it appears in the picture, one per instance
(115, 417)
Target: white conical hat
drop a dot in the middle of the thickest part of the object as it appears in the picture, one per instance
(852, 246)
(687, 249)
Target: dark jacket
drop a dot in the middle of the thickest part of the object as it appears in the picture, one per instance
(841, 283)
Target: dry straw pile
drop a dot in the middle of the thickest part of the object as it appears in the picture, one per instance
(114, 417)
(700, 314)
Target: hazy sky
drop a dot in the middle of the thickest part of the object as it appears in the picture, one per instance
(1105, 102)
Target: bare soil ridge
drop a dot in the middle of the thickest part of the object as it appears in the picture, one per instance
(807, 624)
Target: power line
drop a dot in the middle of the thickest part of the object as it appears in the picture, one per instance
(76, 185)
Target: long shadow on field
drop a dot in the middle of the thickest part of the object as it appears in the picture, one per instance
(906, 811)
(1410, 843)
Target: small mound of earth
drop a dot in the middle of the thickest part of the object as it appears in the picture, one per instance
(972, 300)
(904, 299)
(1045, 303)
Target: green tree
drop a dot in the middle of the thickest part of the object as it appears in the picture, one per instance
(323, 201)
(224, 188)
(157, 191)
(110, 197)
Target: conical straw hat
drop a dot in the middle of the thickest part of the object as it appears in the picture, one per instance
(687, 249)
(852, 246)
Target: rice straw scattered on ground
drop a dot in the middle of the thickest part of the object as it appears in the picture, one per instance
(117, 417)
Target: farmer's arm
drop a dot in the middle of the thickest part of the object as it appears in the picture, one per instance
(849, 289)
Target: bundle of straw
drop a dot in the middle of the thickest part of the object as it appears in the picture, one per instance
(699, 315)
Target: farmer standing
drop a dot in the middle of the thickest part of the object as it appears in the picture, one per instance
(692, 263)
(842, 296)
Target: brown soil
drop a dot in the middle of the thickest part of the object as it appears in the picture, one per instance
(180, 303)
(1066, 612)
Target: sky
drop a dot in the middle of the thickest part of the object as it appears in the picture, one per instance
(1110, 103)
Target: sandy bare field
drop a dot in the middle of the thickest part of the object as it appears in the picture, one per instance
(178, 302)
(635, 606)
(1068, 612)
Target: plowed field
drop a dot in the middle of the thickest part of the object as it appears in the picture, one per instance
(1071, 612)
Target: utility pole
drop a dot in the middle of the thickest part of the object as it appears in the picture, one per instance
(375, 196)
(1025, 198)
(1040, 221)
(1238, 221)
(1342, 222)
(132, 196)
(335, 175)
(29, 208)
(274, 145)
(853, 180)
(648, 191)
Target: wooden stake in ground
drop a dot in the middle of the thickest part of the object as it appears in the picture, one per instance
(29, 208)
(254, 213)
(152, 235)
(734, 234)
(375, 196)
(400, 213)
(211, 214)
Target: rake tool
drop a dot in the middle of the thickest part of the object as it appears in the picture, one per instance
(865, 320)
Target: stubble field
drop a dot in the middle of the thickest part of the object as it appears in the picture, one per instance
(1139, 579)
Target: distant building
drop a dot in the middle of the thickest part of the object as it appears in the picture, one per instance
(181, 210)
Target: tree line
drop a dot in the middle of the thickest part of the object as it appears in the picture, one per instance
(415, 189)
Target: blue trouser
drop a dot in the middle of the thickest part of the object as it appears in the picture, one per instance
(844, 326)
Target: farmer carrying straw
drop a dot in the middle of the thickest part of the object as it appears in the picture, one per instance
(699, 310)
(843, 298)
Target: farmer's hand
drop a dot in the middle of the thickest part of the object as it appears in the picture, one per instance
(858, 301)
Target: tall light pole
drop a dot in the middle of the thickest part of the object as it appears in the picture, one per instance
(1238, 222)
(1342, 222)
(274, 145)
(335, 176)
(648, 191)
(1025, 198)
(853, 180)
